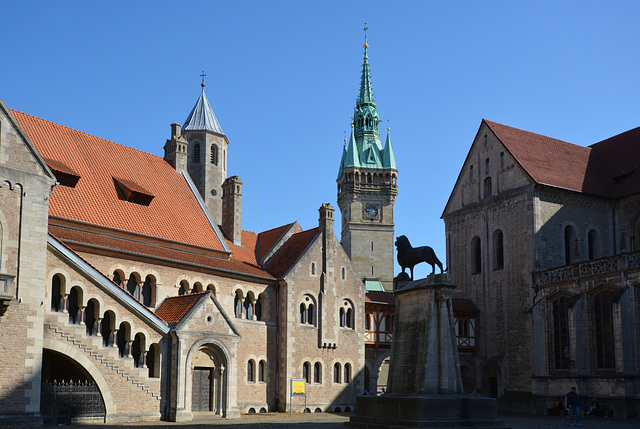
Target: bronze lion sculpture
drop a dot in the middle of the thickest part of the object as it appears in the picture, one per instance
(409, 256)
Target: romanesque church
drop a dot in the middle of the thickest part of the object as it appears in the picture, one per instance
(128, 277)
(544, 237)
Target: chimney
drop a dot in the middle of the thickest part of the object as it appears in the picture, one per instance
(232, 208)
(326, 221)
(175, 149)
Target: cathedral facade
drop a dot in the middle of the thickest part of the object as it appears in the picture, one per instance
(128, 277)
(544, 237)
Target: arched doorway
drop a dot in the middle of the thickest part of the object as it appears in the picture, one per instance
(208, 380)
(490, 382)
(68, 391)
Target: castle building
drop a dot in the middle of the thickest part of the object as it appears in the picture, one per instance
(544, 237)
(367, 189)
(127, 277)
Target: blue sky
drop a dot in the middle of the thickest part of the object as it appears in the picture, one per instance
(283, 76)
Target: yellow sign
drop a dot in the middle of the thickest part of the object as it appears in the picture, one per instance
(298, 387)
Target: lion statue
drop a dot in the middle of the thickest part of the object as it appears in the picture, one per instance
(409, 256)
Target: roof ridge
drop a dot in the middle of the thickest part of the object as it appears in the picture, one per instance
(489, 122)
(84, 132)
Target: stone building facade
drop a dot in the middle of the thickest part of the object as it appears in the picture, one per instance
(127, 277)
(542, 236)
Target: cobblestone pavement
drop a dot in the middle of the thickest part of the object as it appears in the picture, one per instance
(335, 421)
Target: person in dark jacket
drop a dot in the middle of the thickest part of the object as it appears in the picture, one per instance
(573, 402)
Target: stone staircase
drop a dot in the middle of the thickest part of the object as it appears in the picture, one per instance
(106, 356)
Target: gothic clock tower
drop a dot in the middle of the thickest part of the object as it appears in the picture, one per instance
(367, 189)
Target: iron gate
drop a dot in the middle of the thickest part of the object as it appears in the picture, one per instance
(65, 402)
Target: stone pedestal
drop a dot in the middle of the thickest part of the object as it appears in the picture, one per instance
(425, 385)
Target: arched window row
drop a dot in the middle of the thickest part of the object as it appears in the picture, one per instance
(87, 311)
(184, 288)
(341, 373)
(308, 310)
(257, 372)
(144, 290)
(573, 250)
(347, 319)
(368, 122)
(372, 177)
(312, 374)
(249, 307)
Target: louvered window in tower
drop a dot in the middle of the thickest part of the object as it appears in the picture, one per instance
(214, 154)
(196, 153)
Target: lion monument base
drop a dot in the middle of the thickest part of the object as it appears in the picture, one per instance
(424, 385)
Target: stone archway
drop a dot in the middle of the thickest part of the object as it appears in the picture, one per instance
(207, 383)
(490, 382)
(68, 391)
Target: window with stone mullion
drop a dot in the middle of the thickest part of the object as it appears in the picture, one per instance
(560, 336)
(603, 330)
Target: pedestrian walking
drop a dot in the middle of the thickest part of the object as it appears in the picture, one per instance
(573, 402)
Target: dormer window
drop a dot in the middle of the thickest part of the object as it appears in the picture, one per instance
(65, 175)
(132, 192)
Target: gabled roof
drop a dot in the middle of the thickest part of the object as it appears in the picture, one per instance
(172, 214)
(620, 160)
(553, 162)
(291, 252)
(268, 239)
(46, 170)
(174, 308)
(202, 117)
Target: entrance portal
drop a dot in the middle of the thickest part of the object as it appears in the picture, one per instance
(208, 389)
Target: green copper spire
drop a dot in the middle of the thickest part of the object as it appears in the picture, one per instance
(366, 113)
(388, 159)
(365, 149)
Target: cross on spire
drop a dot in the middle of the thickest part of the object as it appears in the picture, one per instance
(202, 76)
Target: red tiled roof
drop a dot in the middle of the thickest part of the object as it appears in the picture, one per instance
(551, 161)
(620, 159)
(380, 296)
(268, 239)
(173, 214)
(174, 308)
(240, 262)
(291, 251)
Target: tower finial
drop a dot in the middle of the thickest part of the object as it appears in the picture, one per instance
(202, 76)
(366, 45)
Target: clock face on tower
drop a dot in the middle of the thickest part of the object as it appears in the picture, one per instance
(371, 211)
